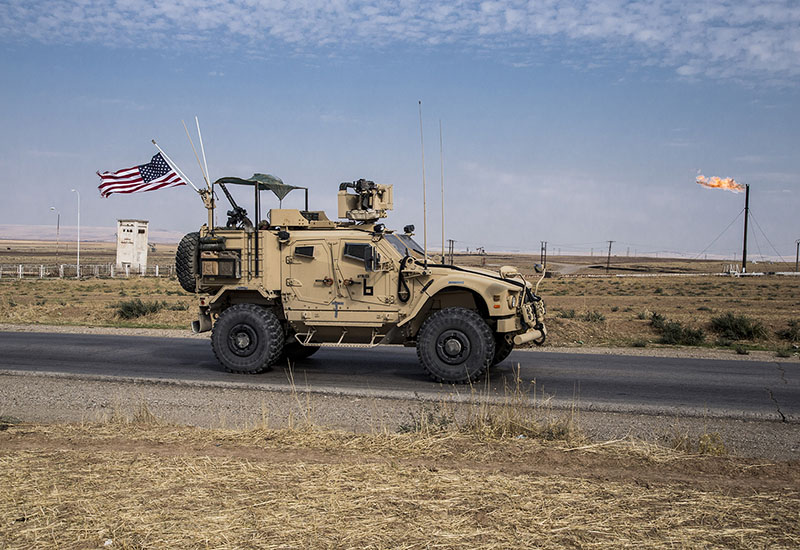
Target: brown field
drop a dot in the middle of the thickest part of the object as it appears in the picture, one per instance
(144, 484)
(591, 311)
(47, 253)
(498, 478)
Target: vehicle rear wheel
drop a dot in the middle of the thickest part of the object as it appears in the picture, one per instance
(247, 338)
(455, 345)
(502, 348)
(186, 261)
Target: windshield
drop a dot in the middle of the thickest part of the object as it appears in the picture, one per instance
(405, 245)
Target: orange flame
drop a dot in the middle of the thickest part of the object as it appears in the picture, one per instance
(728, 184)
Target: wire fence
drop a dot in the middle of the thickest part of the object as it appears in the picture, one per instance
(70, 271)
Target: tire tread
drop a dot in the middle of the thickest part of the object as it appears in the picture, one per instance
(272, 325)
(440, 321)
(186, 261)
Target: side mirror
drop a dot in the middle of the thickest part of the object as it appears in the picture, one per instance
(538, 268)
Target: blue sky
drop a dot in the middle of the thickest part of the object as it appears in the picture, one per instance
(571, 122)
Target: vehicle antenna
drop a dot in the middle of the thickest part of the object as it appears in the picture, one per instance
(424, 194)
(195, 154)
(202, 148)
(441, 164)
(205, 162)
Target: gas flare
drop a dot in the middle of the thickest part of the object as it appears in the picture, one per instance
(728, 184)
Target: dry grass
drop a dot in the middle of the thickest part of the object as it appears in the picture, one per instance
(628, 303)
(142, 484)
(92, 302)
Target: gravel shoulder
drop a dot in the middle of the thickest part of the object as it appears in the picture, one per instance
(58, 398)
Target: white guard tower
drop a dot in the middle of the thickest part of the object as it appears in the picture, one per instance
(132, 244)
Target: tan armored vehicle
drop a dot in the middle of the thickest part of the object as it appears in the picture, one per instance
(279, 289)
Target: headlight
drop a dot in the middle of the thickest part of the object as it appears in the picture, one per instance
(512, 300)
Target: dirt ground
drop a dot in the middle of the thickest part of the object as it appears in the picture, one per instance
(134, 480)
(143, 484)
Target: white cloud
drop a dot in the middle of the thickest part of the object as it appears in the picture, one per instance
(718, 38)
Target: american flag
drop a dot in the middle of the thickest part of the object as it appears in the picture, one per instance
(156, 174)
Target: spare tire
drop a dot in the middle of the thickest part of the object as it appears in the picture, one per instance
(187, 261)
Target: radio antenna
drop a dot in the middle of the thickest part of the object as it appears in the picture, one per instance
(205, 162)
(205, 177)
(441, 164)
(424, 194)
(202, 148)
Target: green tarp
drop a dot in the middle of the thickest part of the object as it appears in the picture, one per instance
(265, 182)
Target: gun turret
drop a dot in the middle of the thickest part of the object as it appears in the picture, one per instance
(370, 202)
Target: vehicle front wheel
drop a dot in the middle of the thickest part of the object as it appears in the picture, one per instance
(502, 348)
(247, 338)
(455, 345)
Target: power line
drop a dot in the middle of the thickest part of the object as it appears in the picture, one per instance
(720, 235)
(765, 236)
(755, 238)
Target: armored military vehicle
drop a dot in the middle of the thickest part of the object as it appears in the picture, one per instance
(278, 289)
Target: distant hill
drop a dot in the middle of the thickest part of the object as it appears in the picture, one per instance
(88, 233)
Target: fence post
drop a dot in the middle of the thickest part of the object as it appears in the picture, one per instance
(112, 270)
(41, 272)
(156, 270)
(127, 270)
(20, 271)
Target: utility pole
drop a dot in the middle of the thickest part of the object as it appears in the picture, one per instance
(746, 216)
(608, 261)
(543, 254)
(796, 255)
(58, 229)
(78, 267)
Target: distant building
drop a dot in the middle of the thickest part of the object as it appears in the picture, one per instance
(132, 244)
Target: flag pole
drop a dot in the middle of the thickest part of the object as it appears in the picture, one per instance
(175, 166)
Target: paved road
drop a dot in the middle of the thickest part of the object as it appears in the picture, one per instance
(719, 388)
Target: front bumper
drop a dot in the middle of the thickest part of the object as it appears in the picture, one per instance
(533, 315)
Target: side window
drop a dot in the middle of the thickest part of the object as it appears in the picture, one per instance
(304, 251)
(362, 252)
(356, 251)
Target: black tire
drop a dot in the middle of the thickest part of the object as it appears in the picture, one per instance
(294, 351)
(247, 339)
(502, 348)
(455, 345)
(187, 261)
